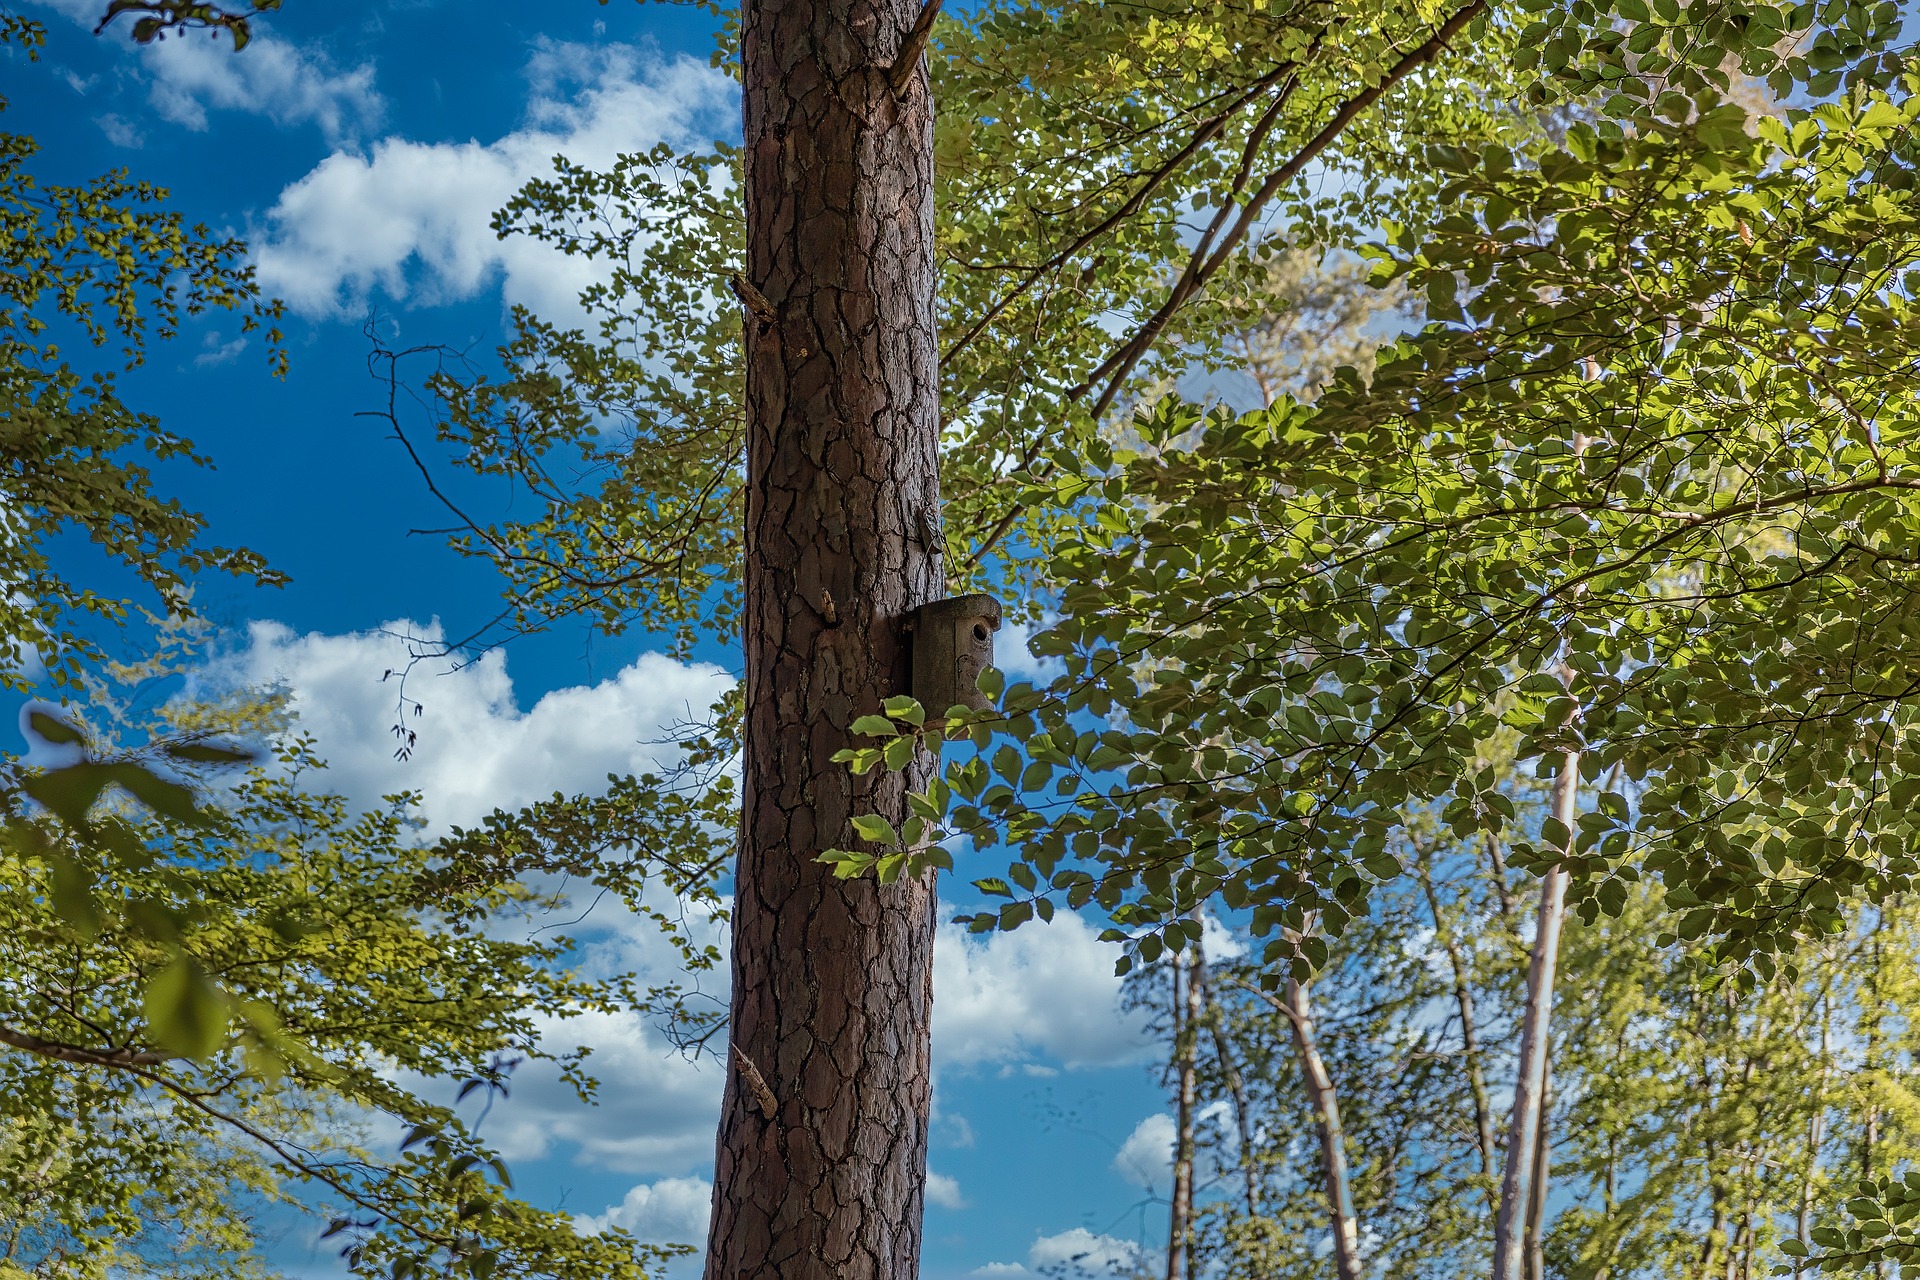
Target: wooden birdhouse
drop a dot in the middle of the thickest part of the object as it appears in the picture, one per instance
(952, 643)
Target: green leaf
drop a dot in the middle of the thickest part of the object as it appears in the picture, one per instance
(903, 707)
(170, 799)
(209, 753)
(69, 792)
(991, 682)
(899, 753)
(52, 728)
(875, 828)
(186, 1013)
(873, 727)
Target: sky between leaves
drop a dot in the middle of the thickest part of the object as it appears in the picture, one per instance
(361, 147)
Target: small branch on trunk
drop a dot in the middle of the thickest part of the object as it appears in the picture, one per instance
(751, 298)
(763, 1099)
(907, 61)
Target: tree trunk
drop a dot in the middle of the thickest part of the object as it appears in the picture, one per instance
(1536, 1244)
(1333, 1141)
(1186, 1027)
(1524, 1132)
(1469, 1035)
(1237, 1088)
(821, 1161)
(1816, 1137)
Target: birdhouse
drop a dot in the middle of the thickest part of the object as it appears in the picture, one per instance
(952, 643)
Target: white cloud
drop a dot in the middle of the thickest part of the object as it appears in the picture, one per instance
(655, 1113)
(1045, 989)
(944, 1191)
(1146, 1158)
(998, 1269)
(1013, 654)
(412, 218)
(1082, 1249)
(288, 85)
(120, 132)
(215, 352)
(185, 77)
(1220, 942)
(670, 1211)
(476, 748)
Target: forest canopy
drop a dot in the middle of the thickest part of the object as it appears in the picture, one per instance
(1455, 467)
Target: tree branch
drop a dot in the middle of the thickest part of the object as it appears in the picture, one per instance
(907, 61)
(123, 1057)
(1207, 260)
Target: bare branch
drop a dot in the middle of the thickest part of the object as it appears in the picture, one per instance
(907, 61)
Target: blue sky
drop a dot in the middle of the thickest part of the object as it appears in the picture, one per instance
(360, 148)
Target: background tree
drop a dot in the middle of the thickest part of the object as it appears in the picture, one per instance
(103, 263)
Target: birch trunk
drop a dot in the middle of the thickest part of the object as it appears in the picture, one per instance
(1524, 1133)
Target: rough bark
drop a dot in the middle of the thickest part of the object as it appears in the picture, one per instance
(822, 1146)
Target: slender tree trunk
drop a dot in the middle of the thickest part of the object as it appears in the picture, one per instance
(1716, 1230)
(1497, 873)
(1537, 1200)
(1875, 1010)
(1333, 1143)
(1871, 1016)
(1297, 1008)
(1469, 1036)
(821, 1161)
(1524, 1131)
(1816, 1138)
(1186, 1039)
(1237, 1089)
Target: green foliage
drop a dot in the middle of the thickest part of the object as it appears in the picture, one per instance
(658, 844)
(1078, 152)
(253, 961)
(646, 400)
(100, 263)
(156, 19)
(1280, 637)
(1693, 1130)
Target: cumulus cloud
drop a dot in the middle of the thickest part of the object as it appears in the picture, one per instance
(1038, 995)
(412, 219)
(1146, 1157)
(1013, 653)
(288, 84)
(476, 749)
(998, 1269)
(1045, 989)
(944, 1191)
(670, 1211)
(656, 1114)
(1083, 1250)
